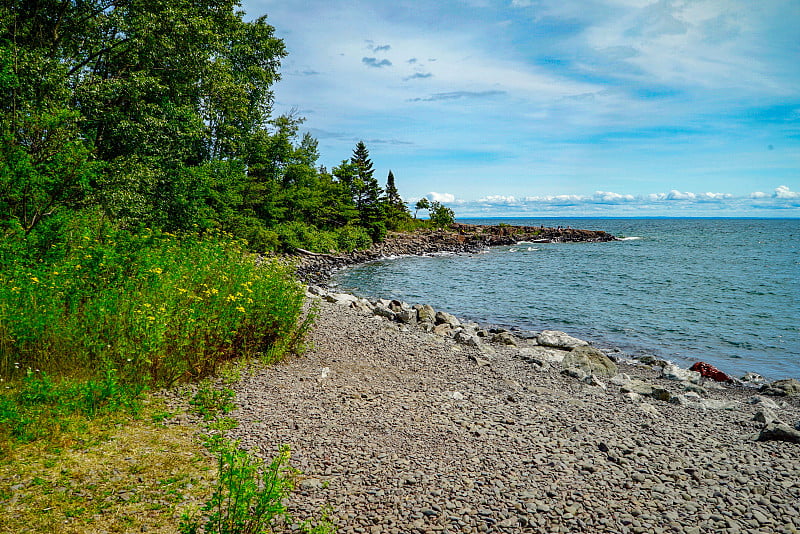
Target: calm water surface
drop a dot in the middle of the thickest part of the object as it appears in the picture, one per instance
(724, 291)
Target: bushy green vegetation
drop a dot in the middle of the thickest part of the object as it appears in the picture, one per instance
(140, 167)
(154, 307)
(250, 496)
(41, 407)
(159, 113)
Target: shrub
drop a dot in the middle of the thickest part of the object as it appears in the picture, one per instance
(350, 238)
(156, 307)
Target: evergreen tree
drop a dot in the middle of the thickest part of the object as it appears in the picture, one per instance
(366, 192)
(395, 209)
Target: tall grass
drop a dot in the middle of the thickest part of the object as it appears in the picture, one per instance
(155, 307)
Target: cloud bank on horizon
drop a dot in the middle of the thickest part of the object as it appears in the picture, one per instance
(545, 107)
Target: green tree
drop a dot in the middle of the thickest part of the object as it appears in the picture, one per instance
(441, 216)
(422, 204)
(156, 90)
(366, 192)
(395, 210)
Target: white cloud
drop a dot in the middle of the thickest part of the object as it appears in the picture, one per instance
(785, 193)
(679, 195)
(606, 203)
(441, 197)
(609, 197)
(556, 198)
(713, 196)
(499, 199)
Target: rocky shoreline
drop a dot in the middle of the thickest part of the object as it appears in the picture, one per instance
(405, 419)
(460, 238)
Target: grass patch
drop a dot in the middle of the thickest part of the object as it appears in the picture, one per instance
(41, 407)
(132, 475)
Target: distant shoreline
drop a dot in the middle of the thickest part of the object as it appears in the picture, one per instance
(317, 268)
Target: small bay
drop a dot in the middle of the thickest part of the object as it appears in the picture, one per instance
(723, 291)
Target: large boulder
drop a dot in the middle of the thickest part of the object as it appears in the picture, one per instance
(788, 387)
(447, 318)
(707, 370)
(589, 360)
(504, 338)
(343, 299)
(467, 338)
(779, 432)
(383, 311)
(426, 314)
(637, 386)
(559, 340)
(673, 372)
(407, 316)
(443, 330)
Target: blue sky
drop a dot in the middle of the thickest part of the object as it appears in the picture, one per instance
(555, 107)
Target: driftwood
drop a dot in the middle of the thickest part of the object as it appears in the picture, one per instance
(309, 253)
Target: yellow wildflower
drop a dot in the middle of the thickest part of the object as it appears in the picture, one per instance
(240, 308)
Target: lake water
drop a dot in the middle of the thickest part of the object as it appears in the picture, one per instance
(724, 291)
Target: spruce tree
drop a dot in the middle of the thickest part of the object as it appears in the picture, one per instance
(367, 193)
(392, 195)
(396, 210)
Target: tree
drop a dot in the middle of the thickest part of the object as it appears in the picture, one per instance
(366, 192)
(422, 204)
(153, 90)
(395, 209)
(441, 216)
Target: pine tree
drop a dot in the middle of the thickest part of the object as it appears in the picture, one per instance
(367, 193)
(392, 195)
(394, 207)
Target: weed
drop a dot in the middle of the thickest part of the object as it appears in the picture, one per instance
(209, 401)
(249, 497)
(156, 307)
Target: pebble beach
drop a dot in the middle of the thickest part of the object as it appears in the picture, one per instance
(399, 427)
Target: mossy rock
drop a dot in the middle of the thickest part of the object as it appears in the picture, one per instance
(589, 360)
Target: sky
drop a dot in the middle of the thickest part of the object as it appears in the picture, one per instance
(533, 108)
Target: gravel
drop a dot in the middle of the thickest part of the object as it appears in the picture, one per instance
(402, 431)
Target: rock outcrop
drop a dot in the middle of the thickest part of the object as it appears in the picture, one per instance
(317, 268)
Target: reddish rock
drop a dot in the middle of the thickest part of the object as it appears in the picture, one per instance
(707, 370)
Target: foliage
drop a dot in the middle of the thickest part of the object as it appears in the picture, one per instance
(156, 307)
(395, 210)
(160, 114)
(441, 216)
(209, 401)
(366, 192)
(42, 407)
(422, 204)
(249, 494)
